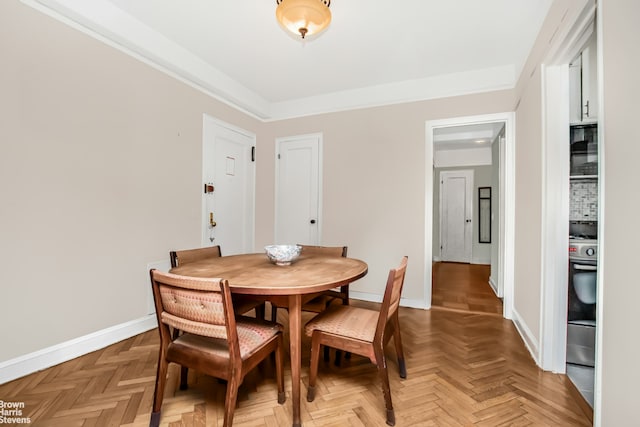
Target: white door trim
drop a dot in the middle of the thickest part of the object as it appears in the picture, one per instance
(507, 195)
(555, 220)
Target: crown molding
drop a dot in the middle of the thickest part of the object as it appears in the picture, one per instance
(444, 86)
(105, 22)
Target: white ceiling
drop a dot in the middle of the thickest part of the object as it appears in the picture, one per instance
(480, 135)
(374, 52)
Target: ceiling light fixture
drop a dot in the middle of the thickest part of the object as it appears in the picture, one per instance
(304, 17)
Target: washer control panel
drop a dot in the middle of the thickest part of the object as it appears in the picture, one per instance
(583, 249)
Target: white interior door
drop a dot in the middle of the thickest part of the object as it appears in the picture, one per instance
(298, 190)
(456, 190)
(228, 166)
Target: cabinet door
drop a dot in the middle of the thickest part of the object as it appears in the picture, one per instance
(575, 91)
(589, 82)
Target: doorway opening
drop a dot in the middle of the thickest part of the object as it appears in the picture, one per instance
(496, 131)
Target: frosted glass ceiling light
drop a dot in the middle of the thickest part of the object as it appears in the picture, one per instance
(304, 17)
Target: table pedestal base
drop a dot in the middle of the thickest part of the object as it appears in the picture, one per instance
(295, 344)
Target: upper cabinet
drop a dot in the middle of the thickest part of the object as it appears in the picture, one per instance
(583, 85)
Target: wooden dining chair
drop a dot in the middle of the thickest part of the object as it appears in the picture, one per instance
(321, 301)
(214, 340)
(242, 303)
(364, 332)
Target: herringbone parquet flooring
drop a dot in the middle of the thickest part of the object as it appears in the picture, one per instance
(463, 369)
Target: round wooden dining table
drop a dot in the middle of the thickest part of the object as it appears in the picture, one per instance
(254, 274)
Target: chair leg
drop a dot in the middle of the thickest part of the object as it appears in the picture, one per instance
(326, 356)
(155, 419)
(184, 377)
(261, 311)
(313, 368)
(386, 389)
(345, 301)
(161, 379)
(280, 371)
(230, 400)
(274, 313)
(397, 340)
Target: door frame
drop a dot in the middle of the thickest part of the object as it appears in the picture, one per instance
(208, 125)
(278, 142)
(506, 205)
(468, 209)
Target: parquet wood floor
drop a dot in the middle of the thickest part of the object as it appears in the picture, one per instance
(464, 369)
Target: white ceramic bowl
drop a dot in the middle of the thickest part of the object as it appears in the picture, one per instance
(282, 254)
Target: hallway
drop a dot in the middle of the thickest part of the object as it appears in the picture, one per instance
(464, 287)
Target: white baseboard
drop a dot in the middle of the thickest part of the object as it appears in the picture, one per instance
(65, 351)
(529, 340)
(404, 302)
(493, 285)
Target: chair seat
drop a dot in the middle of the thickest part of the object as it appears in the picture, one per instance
(252, 334)
(346, 321)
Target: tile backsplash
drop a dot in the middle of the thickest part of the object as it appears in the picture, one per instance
(584, 200)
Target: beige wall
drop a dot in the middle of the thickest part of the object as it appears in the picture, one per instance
(621, 143)
(99, 173)
(528, 199)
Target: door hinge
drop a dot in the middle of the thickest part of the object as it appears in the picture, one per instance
(253, 153)
(278, 156)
